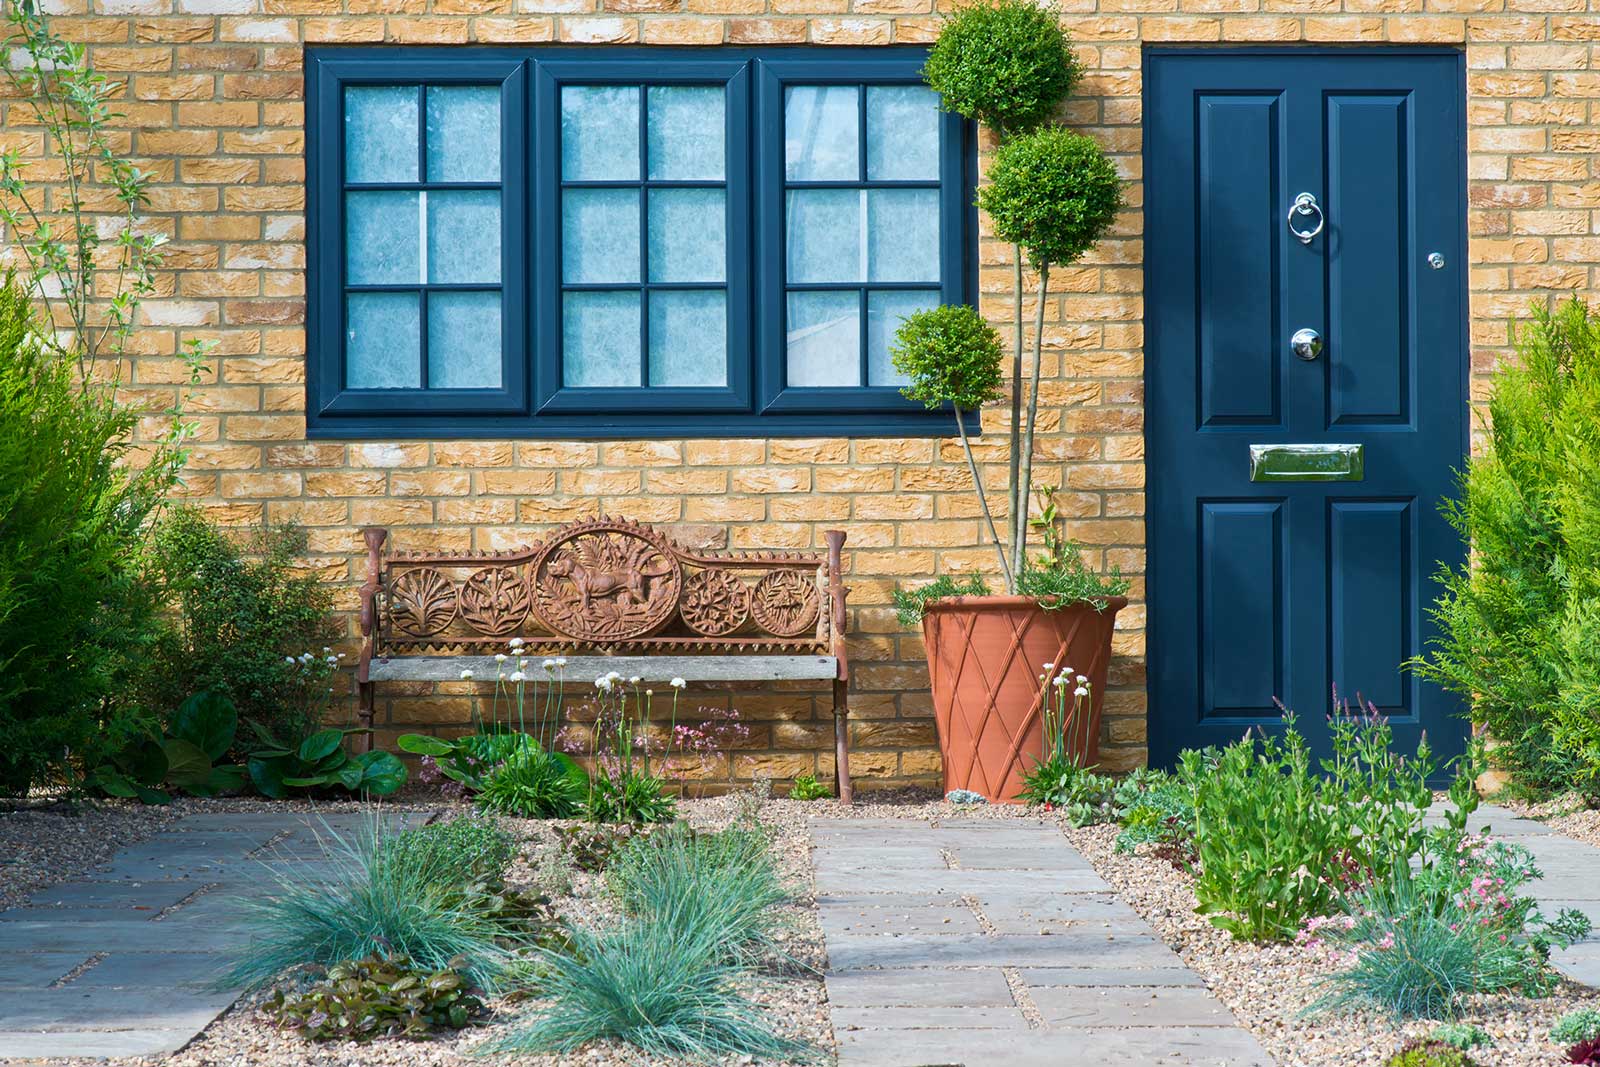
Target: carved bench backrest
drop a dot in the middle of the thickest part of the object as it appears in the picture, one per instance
(604, 584)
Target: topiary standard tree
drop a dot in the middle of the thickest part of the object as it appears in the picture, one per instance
(953, 356)
(1051, 194)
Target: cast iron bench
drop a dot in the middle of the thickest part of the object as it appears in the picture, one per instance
(628, 595)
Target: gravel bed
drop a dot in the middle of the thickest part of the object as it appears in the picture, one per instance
(792, 995)
(43, 843)
(1568, 814)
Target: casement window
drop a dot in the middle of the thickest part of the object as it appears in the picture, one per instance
(562, 242)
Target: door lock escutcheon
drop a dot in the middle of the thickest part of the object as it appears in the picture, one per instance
(1306, 343)
(1305, 208)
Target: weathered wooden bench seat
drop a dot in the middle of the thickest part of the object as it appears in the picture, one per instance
(609, 595)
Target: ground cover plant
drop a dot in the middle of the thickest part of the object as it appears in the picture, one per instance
(1520, 621)
(360, 1000)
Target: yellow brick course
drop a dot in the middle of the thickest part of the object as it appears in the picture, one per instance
(213, 108)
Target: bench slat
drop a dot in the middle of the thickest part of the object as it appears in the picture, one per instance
(585, 669)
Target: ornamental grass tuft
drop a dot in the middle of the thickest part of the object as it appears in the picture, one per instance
(358, 903)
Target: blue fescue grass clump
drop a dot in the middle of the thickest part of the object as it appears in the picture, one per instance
(697, 917)
(724, 884)
(454, 852)
(356, 904)
(666, 989)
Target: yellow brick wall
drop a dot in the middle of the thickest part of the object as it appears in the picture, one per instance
(214, 108)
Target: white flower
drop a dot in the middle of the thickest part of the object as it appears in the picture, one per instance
(517, 676)
(466, 676)
(1082, 680)
(1049, 666)
(326, 649)
(1066, 670)
(1061, 679)
(500, 657)
(561, 661)
(549, 664)
(517, 642)
(634, 680)
(1080, 692)
(289, 660)
(678, 683)
(603, 683)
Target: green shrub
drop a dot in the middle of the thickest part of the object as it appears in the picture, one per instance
(1464, 1036)
(75, 616)
(806, 787)
(357, 905)
(454, 852)
(1582, 1024)
(246, 622)
(534, 784)
(1429, 1054)
(1520, 622)
(359, 1000)
(1161, 814)
(723, 883)
(1006, 63)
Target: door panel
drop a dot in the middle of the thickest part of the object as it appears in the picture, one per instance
(1263, 589)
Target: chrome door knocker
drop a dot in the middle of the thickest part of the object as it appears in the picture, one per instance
(1306, 205)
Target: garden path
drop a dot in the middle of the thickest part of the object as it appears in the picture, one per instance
(981, 941)
(1571, 880)
(124, 961)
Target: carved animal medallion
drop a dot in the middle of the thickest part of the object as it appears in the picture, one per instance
(786, 603)
(606, 581)
(714, 603)
(496, 600)
(422, 602)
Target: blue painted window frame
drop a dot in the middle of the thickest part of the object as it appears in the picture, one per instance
(532, 403)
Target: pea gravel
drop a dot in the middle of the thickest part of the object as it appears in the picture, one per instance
(43, 842)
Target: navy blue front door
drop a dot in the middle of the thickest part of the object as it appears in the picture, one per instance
(1263, 581)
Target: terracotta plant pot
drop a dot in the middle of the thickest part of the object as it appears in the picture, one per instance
(985, 655)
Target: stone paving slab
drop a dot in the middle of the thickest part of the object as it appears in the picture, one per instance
(145, 934)
(1048, 968)
(978, 987)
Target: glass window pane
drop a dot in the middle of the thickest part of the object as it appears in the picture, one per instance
(885, 309)
(902, 133)
(600, 235)
(463, 133)
(824, 342)
(821, 133)
(688, 235)
(685, 132)
(463, 236)
(688, 337)
(464, 341)
(383, 341)
(382, 238)
(824, 235)
(380, 133)
(600, 133)
(600, 339)
(903, 235)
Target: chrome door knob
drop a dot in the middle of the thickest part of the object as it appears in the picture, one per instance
(1306, 343)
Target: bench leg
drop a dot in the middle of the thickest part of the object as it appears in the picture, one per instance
(364, 711)
(841, 740)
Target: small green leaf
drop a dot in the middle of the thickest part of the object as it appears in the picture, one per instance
(425, 745)
(320, 745)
